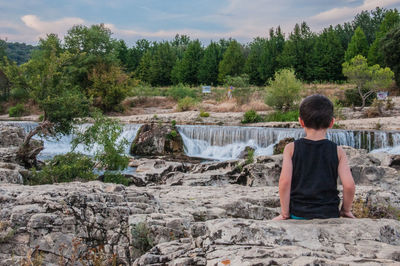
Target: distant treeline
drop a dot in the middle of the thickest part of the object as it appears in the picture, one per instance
(313, 56)
(15, 51)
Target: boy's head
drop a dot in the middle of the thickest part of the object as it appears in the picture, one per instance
(316, 111)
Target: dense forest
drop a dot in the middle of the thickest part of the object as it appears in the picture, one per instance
(89, 61)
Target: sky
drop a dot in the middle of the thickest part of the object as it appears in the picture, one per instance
(29, 20)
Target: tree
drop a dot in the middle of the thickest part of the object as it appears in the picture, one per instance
(136, 53)
(375, 55)
(187, 68)
(3, 46)
(232, 63)
(50, 86)
(297, 50)
(344, 32)
(369, 22)
(208, 67)
(283, 91)
(368, 79)
(161, 65)
(328, 56)
(391, 51)
(254, 63)
(143, 70)
(270, 54)
(357, 46)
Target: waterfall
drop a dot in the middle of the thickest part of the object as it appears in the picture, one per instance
(61, 145)
(222, 143)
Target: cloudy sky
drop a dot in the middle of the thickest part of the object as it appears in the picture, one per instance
(28, 20)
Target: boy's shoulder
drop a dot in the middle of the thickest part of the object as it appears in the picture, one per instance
(289, 149)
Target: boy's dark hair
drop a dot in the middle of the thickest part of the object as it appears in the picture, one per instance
(316, 111)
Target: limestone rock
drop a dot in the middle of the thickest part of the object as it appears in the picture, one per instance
(154, 139)
(280, 146)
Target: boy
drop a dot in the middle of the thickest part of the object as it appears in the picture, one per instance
(311, 165)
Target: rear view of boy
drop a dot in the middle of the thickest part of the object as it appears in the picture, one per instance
(311, 165)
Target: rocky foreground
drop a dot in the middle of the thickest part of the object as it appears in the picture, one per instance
(177, 213)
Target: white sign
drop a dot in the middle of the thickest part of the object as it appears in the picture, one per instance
(206, 89)
(382, 95)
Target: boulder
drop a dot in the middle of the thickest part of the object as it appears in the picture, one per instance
(156, 139)
(280, 146)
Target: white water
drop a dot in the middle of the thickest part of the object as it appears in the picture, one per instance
(223, 143)
(227, 142)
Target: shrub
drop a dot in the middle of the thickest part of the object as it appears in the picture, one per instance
(241, 81)
(204, 114)
(185, 104)
(173, 123)
(180, 91)
(172, 135)
(141, 239)
(116, 178)
(250, 156)
(251, 117)
(284, 91)
(64, 168)
(16, 111)
(353, 98)
(19, 94)
(279, 116)
(241, 88)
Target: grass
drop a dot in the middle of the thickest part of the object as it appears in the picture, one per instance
(278, 116)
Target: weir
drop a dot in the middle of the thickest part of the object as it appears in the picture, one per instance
(227, 142)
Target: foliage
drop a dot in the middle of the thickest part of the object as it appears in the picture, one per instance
(357, 46)
(352, 97)
(204, 114)
(109, 86)
(391, 51)
(161, 63)
(375, 54)
(251, 116)
(367, 79)
(172, 135)
(16, 111)
(3, 46)
(180, 91)
(250, 155)
(208, 67)
(186, 70)
(18, 89)
(232, 62)
(142, 241)
(279, 116)
(19, 52)
(64, 168)
(116, 178)
(104, 138)
(284, 91)
(241, 88)
(297, 50)
(173, 123)
(186, 103)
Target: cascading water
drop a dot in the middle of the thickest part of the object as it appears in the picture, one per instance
(62, 145)
(223, 143)
(227, 142)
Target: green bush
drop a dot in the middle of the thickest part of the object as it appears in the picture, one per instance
(172, 135)
(173, 123)
(116, 178)
(241, 88)
(142, 241)
(251, 117)
(64, 168)
(180, 91)
(353, 98)
(204, 114)
(250, 156)
(284, 91)
(279, 116)
(19, 94)
(241, 81)
(16, 111)
(186, 103)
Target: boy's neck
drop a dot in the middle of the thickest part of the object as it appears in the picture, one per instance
(314, 134)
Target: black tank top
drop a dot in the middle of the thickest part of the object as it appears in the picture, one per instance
(313, 192)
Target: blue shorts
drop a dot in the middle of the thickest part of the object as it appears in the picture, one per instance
(297, 218)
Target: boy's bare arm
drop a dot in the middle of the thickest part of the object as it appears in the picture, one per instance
(348, 184)
(285, 181)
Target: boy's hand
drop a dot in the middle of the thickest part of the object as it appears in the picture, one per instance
(280, 217)
(346, 214)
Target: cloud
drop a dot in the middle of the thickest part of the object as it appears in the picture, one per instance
(338, 15)
(60, 26)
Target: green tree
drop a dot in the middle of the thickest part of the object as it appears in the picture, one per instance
(375, 55)
(254, 62)
(284, 91)
(297, 51)
(208, 67)
(270, 54)
(136, 53)
(161, 65)
(369, 22)
(103, 138)
(328, 55)
(357, 46)
(368, 79)
(233, 61)
(143, 70)
(188, 67)
(344, 32)
(391, 51)
(3, 46)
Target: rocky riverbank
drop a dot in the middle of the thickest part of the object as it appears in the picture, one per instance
(188, 213)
